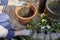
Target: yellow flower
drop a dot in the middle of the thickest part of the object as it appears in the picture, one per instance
(43, 20)
(43, 15)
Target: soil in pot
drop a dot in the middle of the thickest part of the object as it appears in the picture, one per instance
(55, 6)
(26, 12)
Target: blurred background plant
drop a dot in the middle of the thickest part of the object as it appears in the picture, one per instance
(57, 39)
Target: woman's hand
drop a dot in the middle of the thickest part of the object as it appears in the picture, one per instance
(23, 32)
(26, 32)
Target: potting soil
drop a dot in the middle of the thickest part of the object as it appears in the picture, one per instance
(25, 12)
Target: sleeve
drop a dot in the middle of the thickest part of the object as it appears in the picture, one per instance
(6, 33)
(4, 2)
(10, 34)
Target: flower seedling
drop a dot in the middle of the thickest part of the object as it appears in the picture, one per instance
(30, 27)
(57, 39)
(44, 25)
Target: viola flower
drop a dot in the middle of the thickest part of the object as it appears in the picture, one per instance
(45, 28)
(43, 15)
(43, 20)
(48, 26)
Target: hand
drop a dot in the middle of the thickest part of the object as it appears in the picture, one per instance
(26, 32)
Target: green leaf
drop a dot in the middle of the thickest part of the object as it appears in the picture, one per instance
(27, 38)
(57, 39)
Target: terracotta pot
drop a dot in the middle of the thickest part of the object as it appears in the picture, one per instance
(23, 20)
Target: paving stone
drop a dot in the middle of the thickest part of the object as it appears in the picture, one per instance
(58, 34)
(54, 36)
(47, 37)
(41, 36)
(35, 36)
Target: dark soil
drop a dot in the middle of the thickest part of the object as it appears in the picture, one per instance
(25, 12)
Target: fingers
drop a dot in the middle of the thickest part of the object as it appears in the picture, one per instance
(30, 32)
(26, 32)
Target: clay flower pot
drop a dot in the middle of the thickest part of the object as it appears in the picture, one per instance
(23, 20)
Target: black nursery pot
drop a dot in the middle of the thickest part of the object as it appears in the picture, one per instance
(42, 4)
(53, 10)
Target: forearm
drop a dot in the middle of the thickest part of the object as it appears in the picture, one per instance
(10, 33)
(17, 33)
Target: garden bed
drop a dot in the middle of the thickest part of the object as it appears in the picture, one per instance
(17, 26)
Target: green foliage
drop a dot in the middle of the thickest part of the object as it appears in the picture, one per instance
(27, 38)
(54, 26)
(31, 22)
(57, 39)
(30, 27)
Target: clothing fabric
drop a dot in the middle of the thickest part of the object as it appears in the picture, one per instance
(5, 27)
(3, 31)
(4, 2)
(1, 8)
(4, 17)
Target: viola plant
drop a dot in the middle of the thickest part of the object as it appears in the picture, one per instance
(57, 39)
(44, 25)
(52, 26)
(55, 27)
(30, 27)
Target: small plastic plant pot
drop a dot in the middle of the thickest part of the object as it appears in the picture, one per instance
(23, 20)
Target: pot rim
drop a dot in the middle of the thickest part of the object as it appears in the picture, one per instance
(35, 11)
(54, 19)
(50, 9)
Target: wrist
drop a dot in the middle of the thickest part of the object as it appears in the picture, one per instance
(17, 33)
(10, 34)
